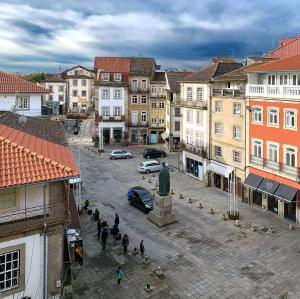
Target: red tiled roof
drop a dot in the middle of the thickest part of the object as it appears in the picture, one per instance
(112, 64)
(13, 84)
(291, 63)
(26, 159)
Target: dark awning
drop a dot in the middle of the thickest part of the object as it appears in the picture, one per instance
(286, 193)
(268, 186)
(253, 181)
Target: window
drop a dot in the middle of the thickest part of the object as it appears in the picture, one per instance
(83, 82)
(218, 151)
(83, 93)
(61, 98)
(75, 82)
(236, 132)
(273, 152)
(144, 84)
(153, 120)
(294, 79)
(50, 97)
(23, 102)
(9, 270)
(161, 120)
(105, 93)
(189, 93)
(117, 77)
(117, 93)
(218, 106)
(117, 111)
(134, 83)
(228, 84)
(271, 80)
(283, 79)
(273, 116)
(60, 88)
(74, 93)
(177, 112)
(75, 105)
(50, 88)
(134, 100)
(290, 156)
(162, 105)
(189, 115)
(218, 128)
(236, 108)
(257, 115)
(290, 121)
(177, 125)
(134, 117)
(8, 199)
(189, 136)
(236, 157)
(153, 89)
(199, 118)
(76, 72)
(153, 105)
(144, 117)
(105, 111)
(162, 91)
(257, 149)
(199, 94)
(144, 99)
(105, 76)
(199, 138)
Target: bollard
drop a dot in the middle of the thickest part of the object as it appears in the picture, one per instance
(180, 196)
(190, 200)
(143, 177)
(237, 224)
(148, 287)
(200, 206)
(211, 211)
(253, 227)
(270, 230)
(224, 217)
(291, 227)
(172, 192)
(146, 260)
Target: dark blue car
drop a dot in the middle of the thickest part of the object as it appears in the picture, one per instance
(141, 198)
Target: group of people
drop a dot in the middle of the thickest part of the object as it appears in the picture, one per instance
(103, 232)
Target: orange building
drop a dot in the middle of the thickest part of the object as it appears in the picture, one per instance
(273, 93)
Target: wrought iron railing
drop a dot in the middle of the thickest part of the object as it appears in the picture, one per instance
(195, 149)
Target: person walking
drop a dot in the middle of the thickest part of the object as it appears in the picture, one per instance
(125, 243)
(119, 275)
(99, 227)
(114, 231)
(104, 237)
(142, 249)
(117, 220)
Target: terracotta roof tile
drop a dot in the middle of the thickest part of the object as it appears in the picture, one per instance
(13, 84)
(174, 78)
(112, 64)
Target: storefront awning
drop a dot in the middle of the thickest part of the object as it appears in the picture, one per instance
(268, 186)
(220, 168)
(252, 181)
(286, 193)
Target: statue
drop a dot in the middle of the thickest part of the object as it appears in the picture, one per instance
(164, 181)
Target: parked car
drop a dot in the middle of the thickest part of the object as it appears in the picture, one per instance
(120, 154)
(153, 153)
(150, 166)
(141, 198)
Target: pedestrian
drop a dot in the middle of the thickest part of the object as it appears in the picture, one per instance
(125, 243)
(142, 249)
(117, 220)
(114, 231)
(104, 237)
(99, 227)
(119, 274)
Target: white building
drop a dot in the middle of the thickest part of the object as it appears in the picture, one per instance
(19, 95)
(80, 82)
(57, 97)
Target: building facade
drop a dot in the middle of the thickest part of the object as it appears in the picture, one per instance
(21, 96)
(273, 93)
(157, 109)
(80, 82)
(112, 90)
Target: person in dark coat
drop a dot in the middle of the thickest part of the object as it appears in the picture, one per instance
(99, 227)
(119, 275)
(117, 220)
(104, 237)
(142, 249)
(114, 231)
(125, 243)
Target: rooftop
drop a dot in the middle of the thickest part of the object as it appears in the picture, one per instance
(159, 77)
(174, 78)
(142, 66)
(112, 64)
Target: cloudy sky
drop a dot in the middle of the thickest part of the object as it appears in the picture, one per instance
(47, 35)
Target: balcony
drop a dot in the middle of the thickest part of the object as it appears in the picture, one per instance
(195, 149)
(157, 125)
(228, 92)
(111, 118)
(274, 91)
(278, 166)
(192, 104)
(138, 124)
(157, 95)
(136, 89)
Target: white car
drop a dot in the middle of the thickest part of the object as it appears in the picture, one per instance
(120, 154)
(150, 166)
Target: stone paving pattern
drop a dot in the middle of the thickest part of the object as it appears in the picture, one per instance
(202, 255)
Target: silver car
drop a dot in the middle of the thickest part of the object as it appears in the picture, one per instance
(150, 166)
(120, 154)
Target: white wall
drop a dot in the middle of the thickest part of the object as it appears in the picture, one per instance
(56, 93)
(111, 102)
(7, 101)
(33, 265)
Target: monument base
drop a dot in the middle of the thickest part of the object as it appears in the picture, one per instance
(162, 211)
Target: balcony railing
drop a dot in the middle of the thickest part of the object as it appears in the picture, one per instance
(279, 166)
(199, 150)
(192, 104)
(157, 125)
(276, 91)
(229, 92)
(139, 89)
(111, 118)
(138, 124)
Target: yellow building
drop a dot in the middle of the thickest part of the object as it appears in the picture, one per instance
(228, 135)
(157, 107)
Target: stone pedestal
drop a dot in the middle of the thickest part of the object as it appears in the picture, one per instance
(162, 211)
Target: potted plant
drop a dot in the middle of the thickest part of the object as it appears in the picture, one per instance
(97, 215)
(86, 204)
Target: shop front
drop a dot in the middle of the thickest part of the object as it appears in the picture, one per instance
(194, 165)
(220, 175)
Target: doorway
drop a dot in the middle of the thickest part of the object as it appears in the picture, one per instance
(257, 198)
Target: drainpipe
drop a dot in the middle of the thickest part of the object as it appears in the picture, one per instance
(45, 246)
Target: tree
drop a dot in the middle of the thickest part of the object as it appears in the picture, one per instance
(35, 77)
